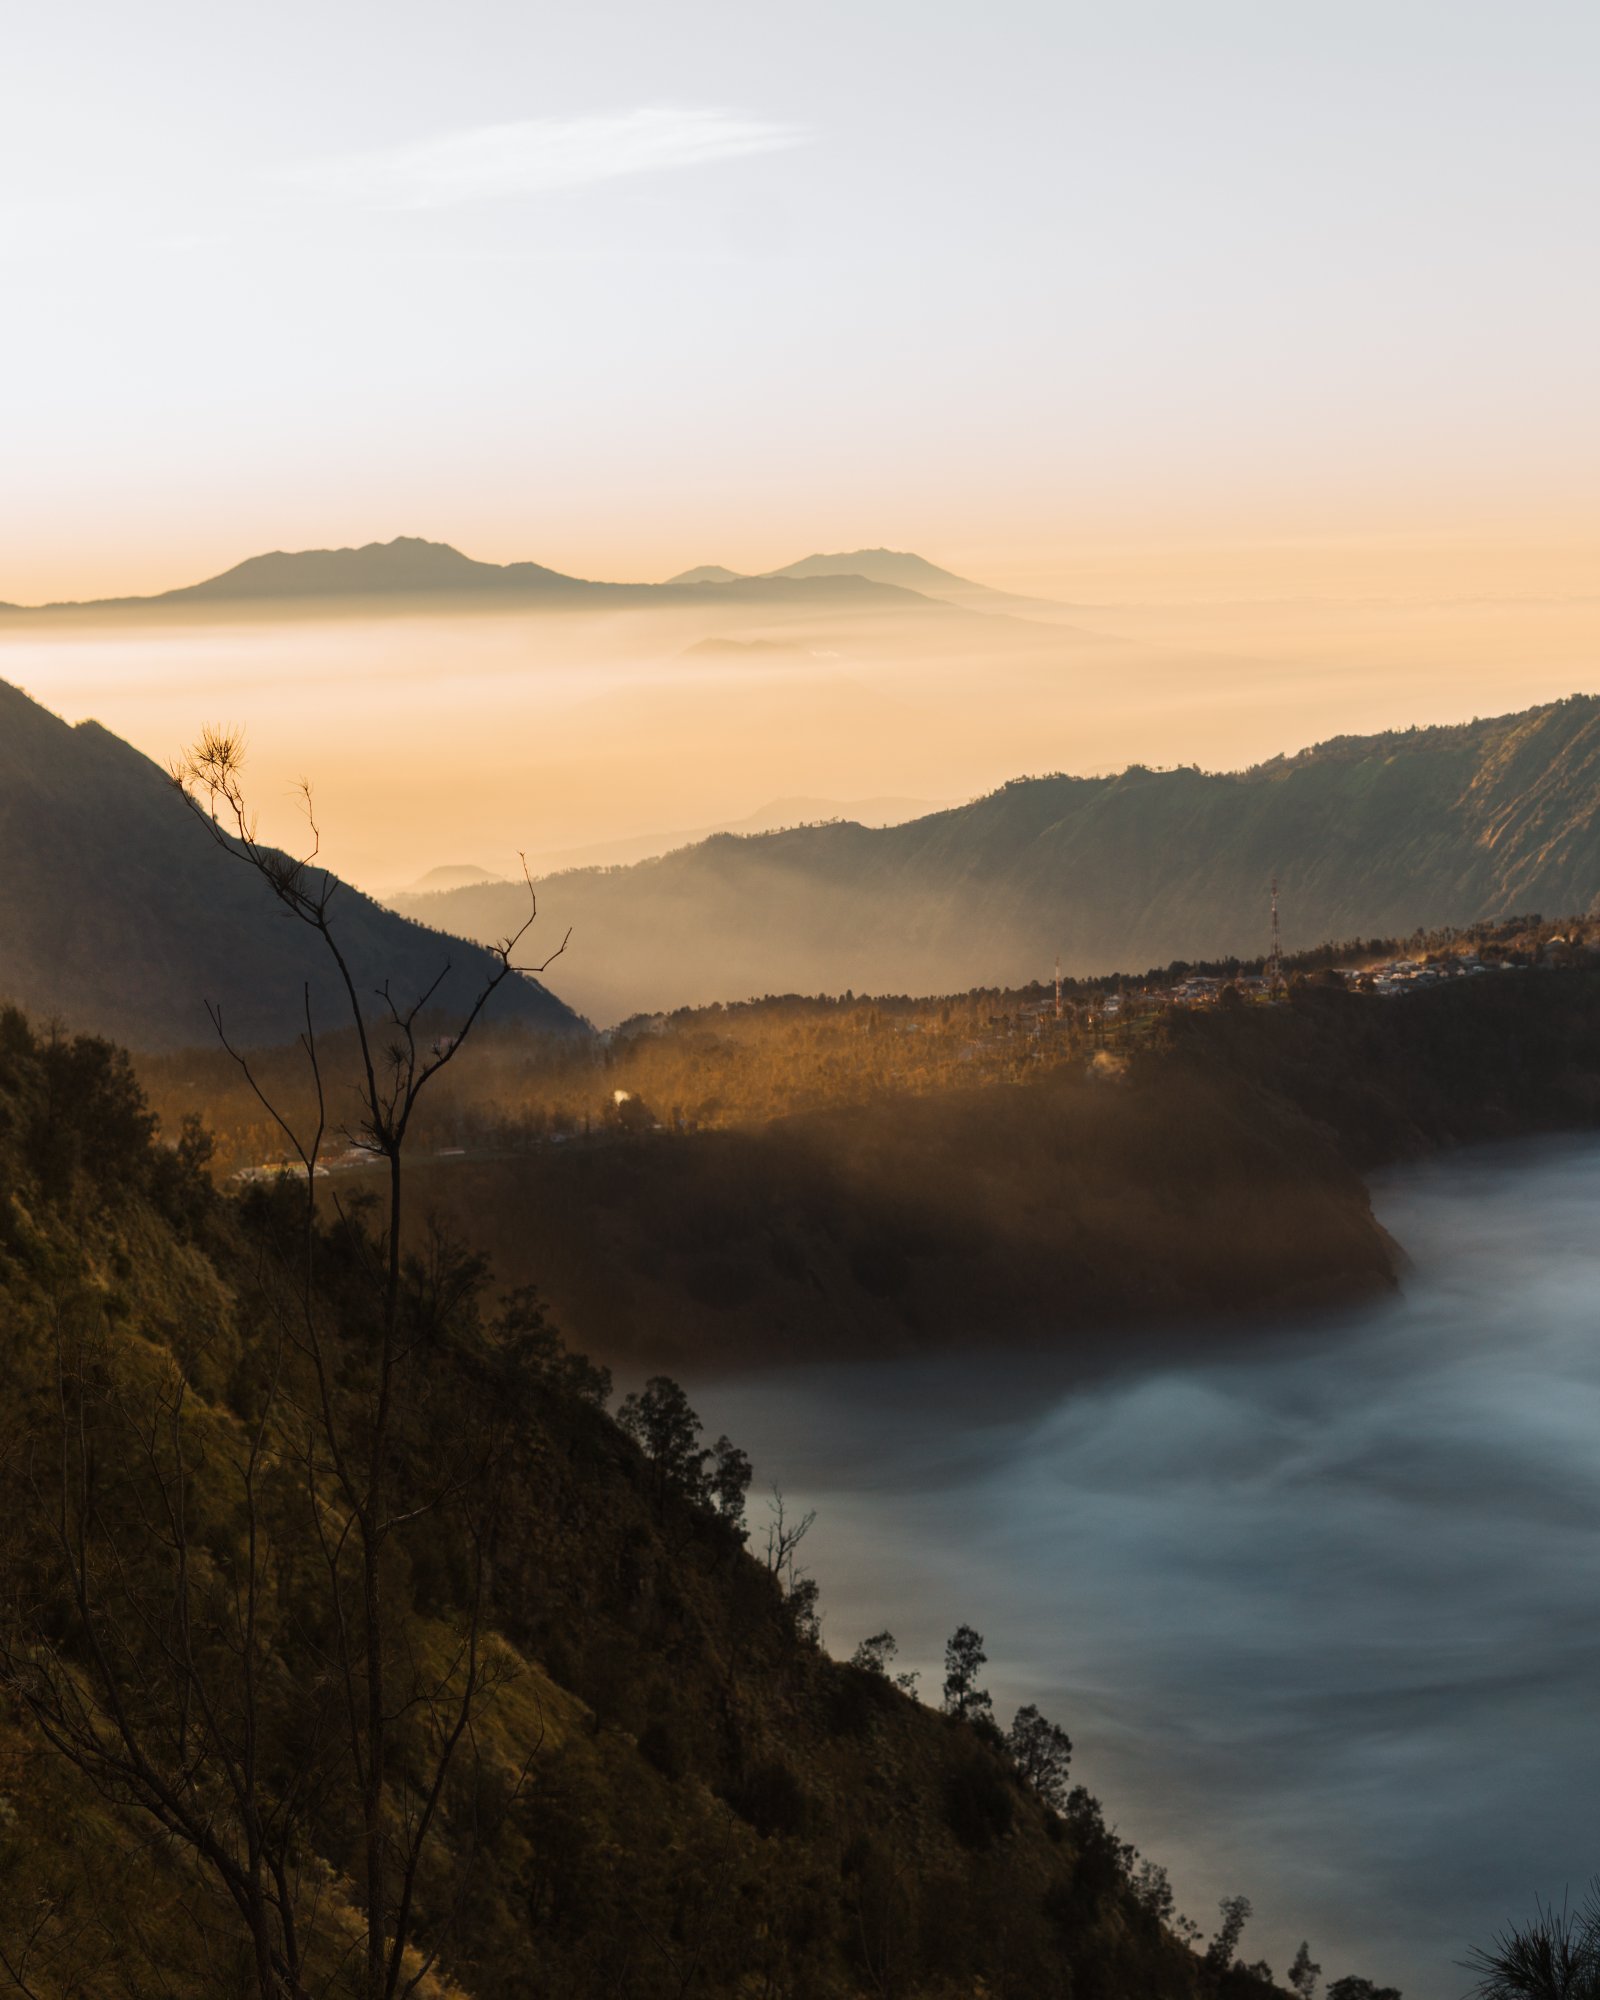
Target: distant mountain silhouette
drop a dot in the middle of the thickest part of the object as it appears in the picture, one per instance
(405, 564)
(896, 566)
(905, 572)
(1368, 835)
(408, 569)
(897, 569)
(451, 875)
(119, 913)
(707, 573)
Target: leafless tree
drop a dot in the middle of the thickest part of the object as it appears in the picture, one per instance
(784, 1536)
(800, 1593)
(148, 1655)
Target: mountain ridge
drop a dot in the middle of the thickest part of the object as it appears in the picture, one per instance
(775, 815)
(410, 567)
(119, 911)
(900, 569)
(1366, 835)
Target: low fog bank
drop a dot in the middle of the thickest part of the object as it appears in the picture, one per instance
(1319, 1617)
(434, 737)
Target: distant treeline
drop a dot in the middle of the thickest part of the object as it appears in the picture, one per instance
(740, 1064)
(792, 1177)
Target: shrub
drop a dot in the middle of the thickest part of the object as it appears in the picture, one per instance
(770, 1799)
(977, 1803)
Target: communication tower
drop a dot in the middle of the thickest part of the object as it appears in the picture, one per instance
(1275, 962)
(1058, 986)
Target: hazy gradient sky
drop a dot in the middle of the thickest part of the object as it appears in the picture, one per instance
(1038, 288)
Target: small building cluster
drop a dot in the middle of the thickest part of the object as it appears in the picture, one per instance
(1409, 975)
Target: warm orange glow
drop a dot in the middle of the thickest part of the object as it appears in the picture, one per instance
(1092, 555)
(440, 736)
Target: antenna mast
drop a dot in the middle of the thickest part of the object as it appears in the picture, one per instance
(1275, 962)
(1058, 986)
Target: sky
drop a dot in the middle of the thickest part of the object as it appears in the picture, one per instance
(1255, 297)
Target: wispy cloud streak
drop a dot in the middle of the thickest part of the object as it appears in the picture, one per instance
(539, 155)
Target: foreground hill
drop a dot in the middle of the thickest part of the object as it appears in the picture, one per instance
(667, 1786)
(119, 912)
(1367, 835)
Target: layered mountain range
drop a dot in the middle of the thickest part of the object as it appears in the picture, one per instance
(897, 569)
(1366, 835)
(410, 568)
(119, 912)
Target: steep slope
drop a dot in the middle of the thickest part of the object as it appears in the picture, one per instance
(669, 1789)
(118, 911)
(1366, 835)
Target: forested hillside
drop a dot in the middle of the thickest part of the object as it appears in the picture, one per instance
(611, 1755)
(750, 1186)
(1091, 1218)
(1367, 835)
(120, 913)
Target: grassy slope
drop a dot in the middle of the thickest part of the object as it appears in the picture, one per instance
(713, 1806)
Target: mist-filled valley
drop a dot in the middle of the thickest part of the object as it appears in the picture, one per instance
(1318, 1608)
(1071, 1304)
(799, 1002)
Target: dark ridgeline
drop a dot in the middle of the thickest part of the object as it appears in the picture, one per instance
(118, 911)
(1367, 835)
